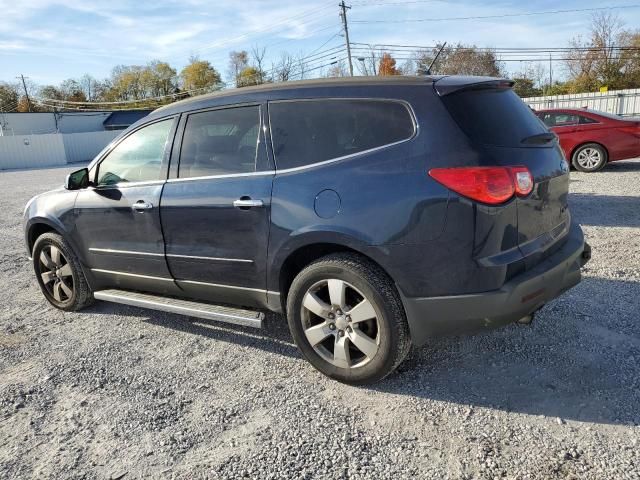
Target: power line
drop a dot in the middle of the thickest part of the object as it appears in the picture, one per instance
(503, 15)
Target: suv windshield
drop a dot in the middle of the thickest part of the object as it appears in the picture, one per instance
(493, 116)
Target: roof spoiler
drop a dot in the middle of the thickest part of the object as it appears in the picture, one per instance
(451, 84)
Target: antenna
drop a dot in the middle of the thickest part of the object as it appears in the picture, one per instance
(436, 58)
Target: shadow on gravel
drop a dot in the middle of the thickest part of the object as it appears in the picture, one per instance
(621, 166)
(273, 337)
(605, 210)
(581, 361)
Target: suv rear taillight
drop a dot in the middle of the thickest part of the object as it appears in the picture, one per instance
(491, 185)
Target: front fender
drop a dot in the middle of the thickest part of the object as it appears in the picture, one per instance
(54, 209)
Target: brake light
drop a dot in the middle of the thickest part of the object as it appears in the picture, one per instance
(491, 185)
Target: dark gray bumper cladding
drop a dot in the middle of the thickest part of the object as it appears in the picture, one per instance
(521, 296)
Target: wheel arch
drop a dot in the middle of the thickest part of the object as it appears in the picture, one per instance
(304, 255)
(38, 227)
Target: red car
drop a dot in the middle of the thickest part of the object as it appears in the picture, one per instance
(590, 139)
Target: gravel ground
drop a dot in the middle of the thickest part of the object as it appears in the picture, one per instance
(121, 392)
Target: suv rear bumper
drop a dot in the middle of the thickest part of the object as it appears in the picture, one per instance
(521, 296)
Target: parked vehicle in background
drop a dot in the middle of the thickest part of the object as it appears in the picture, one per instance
(374, 212)
(590, 139)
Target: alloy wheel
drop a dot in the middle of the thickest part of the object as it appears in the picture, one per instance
(340, 323)
(589, 158)
(56, 274)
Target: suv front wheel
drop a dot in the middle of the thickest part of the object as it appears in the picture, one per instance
(59, 273)
(347, 318)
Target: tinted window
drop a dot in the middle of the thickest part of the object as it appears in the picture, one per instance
(493, 116)
(220, 142)
(138, 158)
(585, 120)
(307, 132)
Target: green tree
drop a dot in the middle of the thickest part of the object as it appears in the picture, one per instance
(200, 74)
(525, 87)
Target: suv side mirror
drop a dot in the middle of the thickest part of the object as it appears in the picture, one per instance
(77, 180)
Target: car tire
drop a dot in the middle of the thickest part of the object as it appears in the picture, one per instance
(346, 317)
(59, 273)
(589, 157)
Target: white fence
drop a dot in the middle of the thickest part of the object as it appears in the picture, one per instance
(32, 151)
(625, 103)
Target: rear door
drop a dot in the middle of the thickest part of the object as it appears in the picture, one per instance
(506, 132)
(215, 208)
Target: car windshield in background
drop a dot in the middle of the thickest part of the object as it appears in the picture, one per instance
(493, 116)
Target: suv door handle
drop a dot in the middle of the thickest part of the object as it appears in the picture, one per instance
(142, 205)
(246, 202)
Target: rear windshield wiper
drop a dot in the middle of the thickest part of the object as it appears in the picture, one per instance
(539, 138)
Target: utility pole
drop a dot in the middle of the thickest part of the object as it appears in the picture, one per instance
(343, 14)
(26, 94)
(550, 74)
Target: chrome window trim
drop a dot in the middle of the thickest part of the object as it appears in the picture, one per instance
(226, 175)
(127, 274)
(215, 259)
(124, 252)
(127, 184)
(406, 104)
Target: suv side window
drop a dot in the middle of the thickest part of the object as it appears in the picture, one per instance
(220, 142)
(137, 158)
(310, 131)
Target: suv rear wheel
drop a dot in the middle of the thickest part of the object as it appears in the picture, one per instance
(59, 273)
(346, 317)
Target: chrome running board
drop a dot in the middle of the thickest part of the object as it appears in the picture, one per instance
(236, 316)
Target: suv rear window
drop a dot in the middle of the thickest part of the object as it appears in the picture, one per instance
(493, 116)
(305, 132)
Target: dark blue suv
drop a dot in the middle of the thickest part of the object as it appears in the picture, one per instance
(374, 212)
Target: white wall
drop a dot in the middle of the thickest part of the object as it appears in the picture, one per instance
(35, 151)
(82, 147)
(32, 151)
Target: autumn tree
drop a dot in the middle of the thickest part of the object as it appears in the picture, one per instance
(238, 61)
(9, 97)
(605, 58)
(200, 74)
(248, 76)
(387, 65)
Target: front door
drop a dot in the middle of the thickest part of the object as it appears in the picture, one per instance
(215, 212)
(118, 217)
